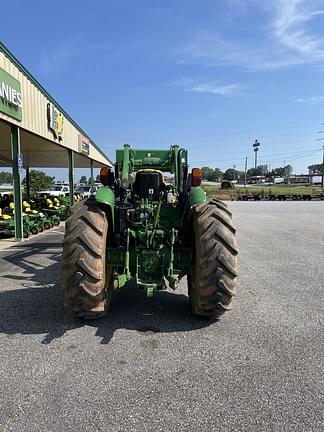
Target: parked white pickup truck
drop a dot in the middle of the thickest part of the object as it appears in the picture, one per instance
(86, 191)
(56, 190)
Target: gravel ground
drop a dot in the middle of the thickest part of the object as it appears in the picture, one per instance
(149, 366)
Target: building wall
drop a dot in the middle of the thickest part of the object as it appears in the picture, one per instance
(34, 113)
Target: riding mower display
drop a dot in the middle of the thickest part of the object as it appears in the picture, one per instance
(31, 225)
(7, 223)
(62, 207)
(41, 221)
(45, 205)
(36, 209)
(39, 213)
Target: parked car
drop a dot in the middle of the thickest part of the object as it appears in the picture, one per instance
(86, 191)
(56, 190)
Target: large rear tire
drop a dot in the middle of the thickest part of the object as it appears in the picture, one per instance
(213, 274)
(86, 275)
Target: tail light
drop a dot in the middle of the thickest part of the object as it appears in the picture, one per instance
(104, 176)
(196, 177)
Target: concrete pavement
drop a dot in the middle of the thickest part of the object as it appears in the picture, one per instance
(150, 366)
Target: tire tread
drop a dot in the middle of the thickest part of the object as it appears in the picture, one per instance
(213, 276)
(85, 275)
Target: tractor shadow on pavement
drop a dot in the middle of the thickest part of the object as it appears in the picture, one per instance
(31, 301)
(132, 310)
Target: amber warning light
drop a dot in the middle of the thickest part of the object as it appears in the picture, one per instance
(196, 177)
(104, 176)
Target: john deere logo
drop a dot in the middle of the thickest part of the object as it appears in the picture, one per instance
(55, 121)
(10, 95)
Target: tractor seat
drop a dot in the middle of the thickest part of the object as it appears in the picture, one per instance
(148, 184)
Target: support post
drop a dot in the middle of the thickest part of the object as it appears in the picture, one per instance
(91, 174)
(27, 183)
(322, 182)
(71, 177)
(15, 153)
(245, 171)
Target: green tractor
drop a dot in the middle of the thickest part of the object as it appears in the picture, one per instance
(150, 222)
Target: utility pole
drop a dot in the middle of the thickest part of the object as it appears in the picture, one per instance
(246, 160)
(321, 139)
(322, 183)
(284, 167)
(234, 166)
(256, 146)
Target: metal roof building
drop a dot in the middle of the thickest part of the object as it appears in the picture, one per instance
(35, 131)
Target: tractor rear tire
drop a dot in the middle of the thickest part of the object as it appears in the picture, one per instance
(213, 275)
(86, 275)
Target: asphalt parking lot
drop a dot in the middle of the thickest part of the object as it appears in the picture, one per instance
(150, 366)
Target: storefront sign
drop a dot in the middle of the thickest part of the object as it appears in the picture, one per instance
(10, 95)
(55, 121)
(84, 145)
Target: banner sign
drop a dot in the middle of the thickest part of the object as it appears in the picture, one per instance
(55, 121)
(84, 145)
(10, 95)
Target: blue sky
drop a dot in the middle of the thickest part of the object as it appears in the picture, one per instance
(209, 75)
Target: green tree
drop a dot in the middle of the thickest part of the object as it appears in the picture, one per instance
(288, 170)
(6, 177)
(98, 178)
(315, 169)
(251, 172)
(260, 170)
(218, 174)
(229, 174)
(38, 181)
(206, 173)
(83, 179)
(233, 174)
(277, 172)
(282, 171)
(211, 174)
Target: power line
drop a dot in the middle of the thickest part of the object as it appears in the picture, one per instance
(191, 148)
(257, 132)
(295, 155)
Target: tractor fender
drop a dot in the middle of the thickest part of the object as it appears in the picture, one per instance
(106, 196)
(197, 195)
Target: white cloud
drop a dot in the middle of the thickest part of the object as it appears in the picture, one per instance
(313, 99)
(214, 88)
(284, 40)
(289, 28)
(69, 50)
